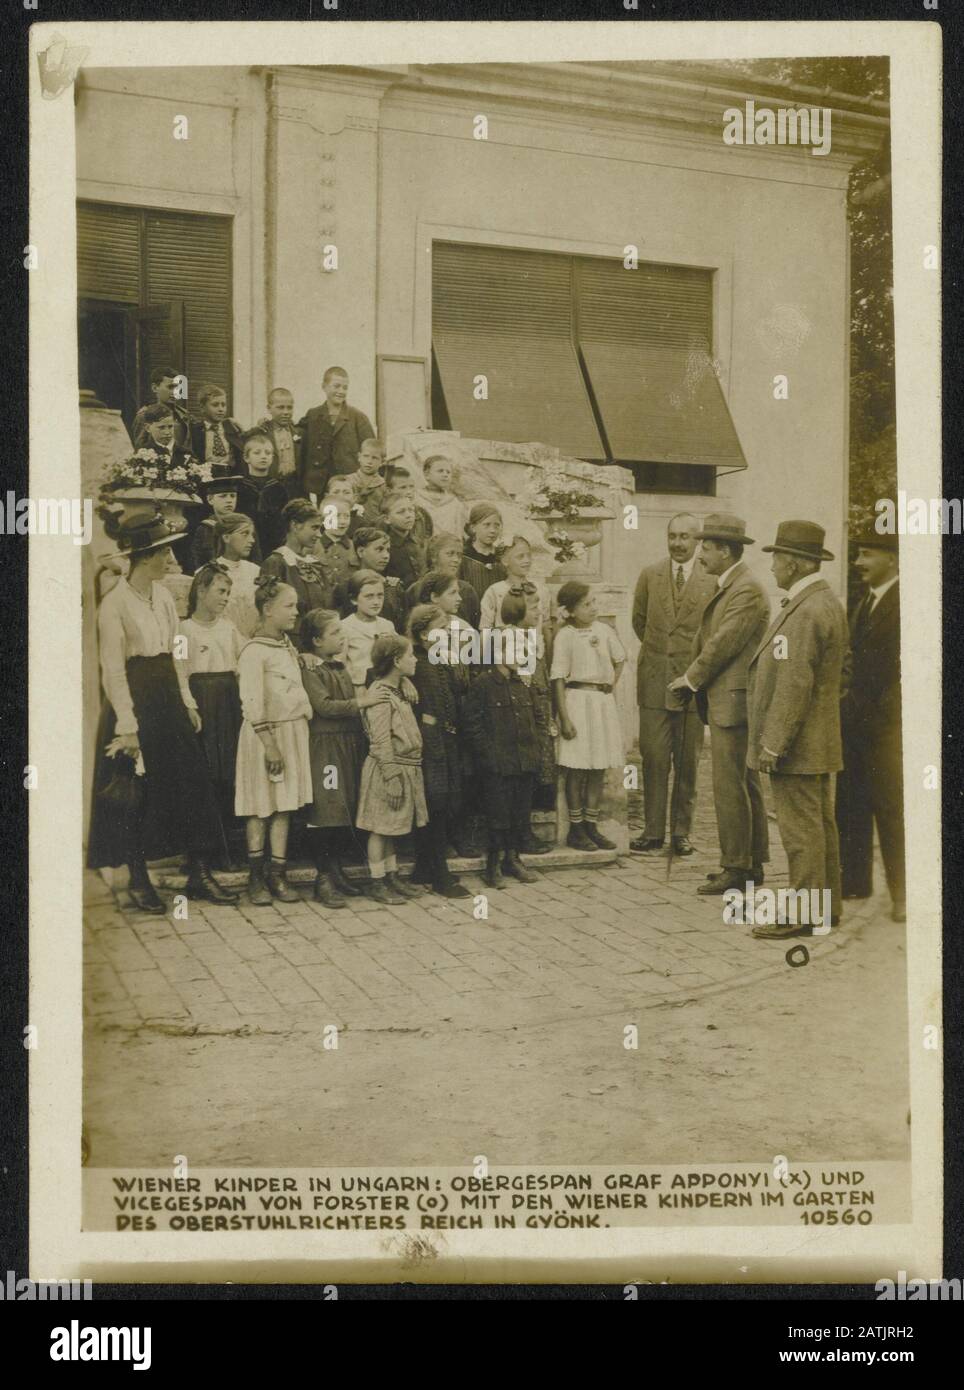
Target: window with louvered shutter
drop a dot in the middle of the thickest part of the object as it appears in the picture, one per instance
(189, 258)
(579, 352)
(646, 337)
(108, 253)
(147, 256)
(506, 315)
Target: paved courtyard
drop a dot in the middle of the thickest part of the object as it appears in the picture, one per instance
(205, 1036)
(591, 936)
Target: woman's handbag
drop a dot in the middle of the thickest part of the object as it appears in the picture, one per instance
(124, 793)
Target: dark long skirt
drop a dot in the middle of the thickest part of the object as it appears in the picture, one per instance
(180, 811)
(219, 705)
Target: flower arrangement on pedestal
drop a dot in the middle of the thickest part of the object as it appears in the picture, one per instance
(569, 510)
(147, 481)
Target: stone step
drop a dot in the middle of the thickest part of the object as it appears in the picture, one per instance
(171, 875)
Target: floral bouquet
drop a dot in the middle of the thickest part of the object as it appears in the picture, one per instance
(160, 473)
(549, 490)
(564, 547)
(147, 476)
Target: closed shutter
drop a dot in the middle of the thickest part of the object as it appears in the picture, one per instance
(646, 337)
(152, 258)
(506, 315)
(108, 253)
(189, 258)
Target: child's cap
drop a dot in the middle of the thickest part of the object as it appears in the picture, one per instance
(221, 482)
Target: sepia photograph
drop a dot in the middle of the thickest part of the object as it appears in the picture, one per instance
(490, 805)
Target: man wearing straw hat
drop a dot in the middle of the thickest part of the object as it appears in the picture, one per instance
(793, 701)
(731, 626)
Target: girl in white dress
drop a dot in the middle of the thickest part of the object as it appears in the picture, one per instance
(235, 541)
(587, 659)
(516, 559)
(365, 592)
(273, 768)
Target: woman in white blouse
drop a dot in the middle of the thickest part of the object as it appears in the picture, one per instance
(150, 715)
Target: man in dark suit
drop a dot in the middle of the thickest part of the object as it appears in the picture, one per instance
(669, 598)
(215, 437)
(793, 704)
(731, 625)
(871, 788)
(331, 434)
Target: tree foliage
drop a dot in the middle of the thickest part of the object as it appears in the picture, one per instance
(873, 432)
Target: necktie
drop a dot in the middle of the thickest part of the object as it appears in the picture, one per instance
(863, 613)
(217, 443)
(680, 580)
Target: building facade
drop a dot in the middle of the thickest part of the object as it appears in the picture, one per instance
(562, 253)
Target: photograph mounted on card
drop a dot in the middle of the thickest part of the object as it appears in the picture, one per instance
(489, 829)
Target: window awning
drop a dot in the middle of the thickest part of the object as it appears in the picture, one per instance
(507, 315)
(662, 405)
(645, 337)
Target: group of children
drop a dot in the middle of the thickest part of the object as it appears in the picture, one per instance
(311, 642)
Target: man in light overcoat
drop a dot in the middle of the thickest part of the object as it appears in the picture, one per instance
(793, 702)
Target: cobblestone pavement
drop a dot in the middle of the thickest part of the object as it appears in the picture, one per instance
(458, 1036)
(584, 940)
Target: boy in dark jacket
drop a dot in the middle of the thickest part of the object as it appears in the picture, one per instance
(500, 716)
(260, 496)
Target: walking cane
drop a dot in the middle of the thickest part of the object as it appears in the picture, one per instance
(678, 743)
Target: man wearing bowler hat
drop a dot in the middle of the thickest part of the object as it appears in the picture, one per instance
(871, 788)
(793, 701)
(731, 626)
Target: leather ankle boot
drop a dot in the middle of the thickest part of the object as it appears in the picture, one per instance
(598, 838)
(142, 891)
(257, 888)
(514, 867)
(202, 884)
(325, 891)
(443, 881)
(277, 876)
(381, 893)
(492, 874)
(578, 839)
(399, 885)
(342, 882)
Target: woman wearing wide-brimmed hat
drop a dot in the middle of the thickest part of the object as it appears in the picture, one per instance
(150, 721)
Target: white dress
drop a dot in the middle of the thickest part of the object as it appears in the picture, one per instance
(361, 635)
(210, 646)
(240, 608)
(492, 603)
(589, 654)
(447, 511)
(272, 696)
